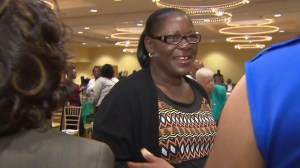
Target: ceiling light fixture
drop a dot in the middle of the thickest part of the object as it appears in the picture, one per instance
(135, 30)
(249, 46)
(248, 39)
(126, 36)
(277, 15)
(226, 17)
(93, 10)
(194, 8)
(215, 13)
(260, 22)
(248, 30)
(130, 27)
(127, 43)
(130, 50)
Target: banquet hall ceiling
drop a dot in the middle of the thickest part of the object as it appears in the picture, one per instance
(115, 14)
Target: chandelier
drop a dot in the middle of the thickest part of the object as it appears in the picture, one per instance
(249, 33)
(129, 34)
(249, 46)
(130, 50)
(201, 9)
(248, 39)
(204, 14)
(225, 17)
(249, 30)
(127, 43)
(125, 36)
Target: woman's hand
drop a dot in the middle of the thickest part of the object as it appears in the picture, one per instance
(153, 161)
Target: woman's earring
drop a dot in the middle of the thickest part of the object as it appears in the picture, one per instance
(150, 55)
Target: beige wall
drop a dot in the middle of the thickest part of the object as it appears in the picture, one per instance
(224, 57)
(215, 56)
(101, 56)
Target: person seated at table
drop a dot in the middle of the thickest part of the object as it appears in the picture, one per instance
(32, 61)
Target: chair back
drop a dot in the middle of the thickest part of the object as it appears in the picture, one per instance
(87, 112)
(72, 116)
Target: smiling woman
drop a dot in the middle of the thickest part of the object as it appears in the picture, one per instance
(158, 107)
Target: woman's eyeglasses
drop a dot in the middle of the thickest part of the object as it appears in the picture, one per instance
(176, 39)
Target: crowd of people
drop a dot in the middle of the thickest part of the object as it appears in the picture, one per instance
(171, 113)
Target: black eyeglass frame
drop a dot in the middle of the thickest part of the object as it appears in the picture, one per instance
(164, 38)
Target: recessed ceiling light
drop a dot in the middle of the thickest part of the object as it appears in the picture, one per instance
(80, 32)
(139, 24)
(212, 41)
(117, 0)
(98, 45)
(93, 10)
(86, 28)
(277, 15)
(281, 31)
(107, 37)
(83, 43)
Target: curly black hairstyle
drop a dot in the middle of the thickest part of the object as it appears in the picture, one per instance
(107, 71)
(32, 64)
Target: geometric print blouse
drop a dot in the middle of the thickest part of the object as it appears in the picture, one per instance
(185, 135)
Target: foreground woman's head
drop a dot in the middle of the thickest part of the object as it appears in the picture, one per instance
(32, 60)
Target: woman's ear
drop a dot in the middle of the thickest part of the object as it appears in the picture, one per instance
(148, 44)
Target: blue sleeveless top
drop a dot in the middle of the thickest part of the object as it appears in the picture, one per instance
(273, 84)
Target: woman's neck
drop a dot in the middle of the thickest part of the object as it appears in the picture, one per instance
(176, 88)
(164, 80)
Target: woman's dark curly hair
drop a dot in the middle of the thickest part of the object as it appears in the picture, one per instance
(153, 24)
(107, 71)
(32, 61)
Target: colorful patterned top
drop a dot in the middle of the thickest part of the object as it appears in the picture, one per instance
(186, 131)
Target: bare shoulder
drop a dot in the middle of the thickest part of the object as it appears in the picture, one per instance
(235, 144)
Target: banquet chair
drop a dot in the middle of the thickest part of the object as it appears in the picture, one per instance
(71, 119)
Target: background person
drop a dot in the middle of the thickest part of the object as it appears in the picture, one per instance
(104, 84)
(197, 65)
(91, 84)
(229, 85)
(216, 93)
(32, 61)
(74, 99)
(218, 77)
(156, 106)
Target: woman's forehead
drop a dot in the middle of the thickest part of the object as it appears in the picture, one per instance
(176, 22)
